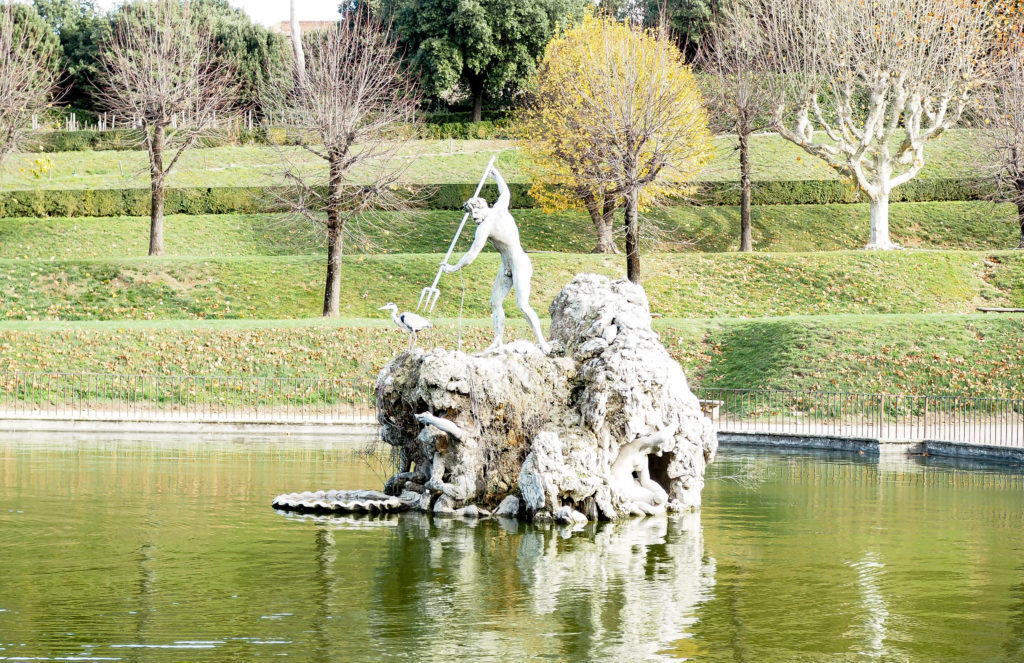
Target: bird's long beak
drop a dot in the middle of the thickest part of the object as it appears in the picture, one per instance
(383, 308)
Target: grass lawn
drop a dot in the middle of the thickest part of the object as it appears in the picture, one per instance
(436, 161)
(944, 354)
(940, 354)
(778, 228)
(691, 285)
(239, 294)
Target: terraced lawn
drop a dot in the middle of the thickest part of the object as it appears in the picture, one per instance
(778, 228)
(956, 154)
(944, 354)
(690, 285)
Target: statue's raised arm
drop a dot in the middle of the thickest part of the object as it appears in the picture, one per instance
(504, 195)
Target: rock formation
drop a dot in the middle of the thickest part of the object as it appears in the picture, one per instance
(604, 426)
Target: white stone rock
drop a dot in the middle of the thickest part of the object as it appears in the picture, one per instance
(605, 426)
(509, 507)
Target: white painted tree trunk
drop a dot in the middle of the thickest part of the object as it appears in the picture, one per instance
(880, 224)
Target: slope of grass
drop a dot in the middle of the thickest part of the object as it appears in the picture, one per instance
(679, 285)
(955, 154)
(779, 228)
(945, 354)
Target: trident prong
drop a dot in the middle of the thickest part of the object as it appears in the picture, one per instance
(428, 299)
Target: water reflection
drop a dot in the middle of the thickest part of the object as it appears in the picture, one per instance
(152, 551)
(1014, 647)
(621, 591)
(869, 571)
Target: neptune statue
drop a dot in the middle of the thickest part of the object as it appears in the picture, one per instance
(496, 224)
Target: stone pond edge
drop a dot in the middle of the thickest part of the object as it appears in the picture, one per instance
(355, 429)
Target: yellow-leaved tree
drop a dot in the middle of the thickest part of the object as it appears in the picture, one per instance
(617, 119)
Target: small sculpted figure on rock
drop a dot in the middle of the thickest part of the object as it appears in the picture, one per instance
(631, 473)
(496, 224)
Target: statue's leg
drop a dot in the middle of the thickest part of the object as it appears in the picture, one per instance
(502, 285)
(521, 275)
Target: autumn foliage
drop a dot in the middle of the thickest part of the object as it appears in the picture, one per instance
(618, 119)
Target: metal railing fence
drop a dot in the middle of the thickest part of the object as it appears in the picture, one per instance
(184, 398)
(264, 399)
(889, 417)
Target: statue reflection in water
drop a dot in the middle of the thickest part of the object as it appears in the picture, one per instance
(451, 589)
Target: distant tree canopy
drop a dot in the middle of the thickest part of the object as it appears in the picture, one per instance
(253, 51)
(27, 72)
(76, 26)
(31, 30)
(79, 27)
(687, 20)
(477, 48)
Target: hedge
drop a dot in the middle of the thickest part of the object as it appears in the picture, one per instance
(822, 192)
(253, 200)
(134, 202)
(130, 139)
(483, 130)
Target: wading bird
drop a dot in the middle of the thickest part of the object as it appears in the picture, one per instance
(408, 322)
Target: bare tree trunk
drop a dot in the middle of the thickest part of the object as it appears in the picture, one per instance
(632, 238)
(880, 223)
(1020, 215)
(335, 238)
(300, 58)
(603, 217)
(746, 238)
(156, 180)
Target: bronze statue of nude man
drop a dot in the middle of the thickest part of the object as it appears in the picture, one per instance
(496, 224)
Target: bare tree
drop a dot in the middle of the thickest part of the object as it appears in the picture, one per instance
(27, 78)
(865, 85)
(733, 56)
(1003, 108)
(360, 102)
(160, 67)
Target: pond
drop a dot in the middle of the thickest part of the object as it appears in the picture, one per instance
(166, 549)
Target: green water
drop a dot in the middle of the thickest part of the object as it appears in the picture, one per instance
(166, 549)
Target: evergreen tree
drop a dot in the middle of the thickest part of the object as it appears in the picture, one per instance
(483, 48)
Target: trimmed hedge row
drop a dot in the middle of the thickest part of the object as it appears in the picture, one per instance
(823, 192)
(208, 200)
(133, 202)
(254, 200)
(129, 139)
(483, 130)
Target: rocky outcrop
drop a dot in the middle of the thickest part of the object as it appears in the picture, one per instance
(604, 426)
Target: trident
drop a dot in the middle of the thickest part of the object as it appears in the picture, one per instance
(429, 296)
